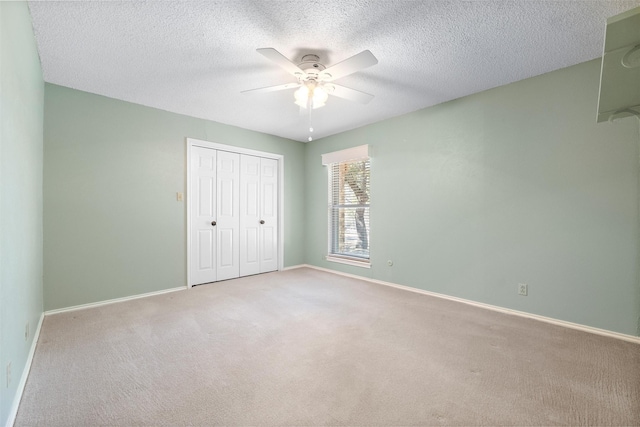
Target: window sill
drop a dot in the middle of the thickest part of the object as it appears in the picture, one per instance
(349, 261)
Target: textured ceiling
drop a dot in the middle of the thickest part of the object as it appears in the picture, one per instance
(195, 58)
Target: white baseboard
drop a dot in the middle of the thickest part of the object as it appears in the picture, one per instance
(111, 301)
(13, 411)
(293, 267)
(558, 322)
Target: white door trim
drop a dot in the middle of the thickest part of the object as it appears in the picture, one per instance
(191, 142)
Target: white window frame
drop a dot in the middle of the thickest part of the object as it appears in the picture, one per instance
(328, 159)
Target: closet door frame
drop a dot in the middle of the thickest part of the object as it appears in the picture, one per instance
(191, 142)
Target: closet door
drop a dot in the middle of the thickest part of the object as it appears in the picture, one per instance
(228, 215)
(203, 213)
(268, 236)
(249, 214)
(234, 215)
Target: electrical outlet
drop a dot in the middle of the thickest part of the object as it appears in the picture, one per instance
(26, 332)
(8, 374)
(179, 197)
(523, 289)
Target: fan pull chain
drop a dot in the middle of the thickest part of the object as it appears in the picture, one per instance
(309, 108)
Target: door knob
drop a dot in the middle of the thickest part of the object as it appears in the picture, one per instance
(213, 223)
(262, 221)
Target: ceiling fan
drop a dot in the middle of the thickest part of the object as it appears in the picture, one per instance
(315, 81)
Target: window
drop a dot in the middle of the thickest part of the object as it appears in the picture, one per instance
(349, 198)
(349, 209)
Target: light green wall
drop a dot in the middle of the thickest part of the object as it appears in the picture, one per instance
(469, 198)
(112, 225)
(21, 104)
(517, 184)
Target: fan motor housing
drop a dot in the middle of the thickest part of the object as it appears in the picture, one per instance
(310, 65)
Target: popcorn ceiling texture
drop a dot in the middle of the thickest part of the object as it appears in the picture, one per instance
(195, 58)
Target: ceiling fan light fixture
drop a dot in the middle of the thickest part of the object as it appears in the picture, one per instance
(302, 96)
(319, 97)
(310, 90)
(314, 80)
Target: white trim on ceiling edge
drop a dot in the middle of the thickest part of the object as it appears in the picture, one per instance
(558, 322)
(13, 411)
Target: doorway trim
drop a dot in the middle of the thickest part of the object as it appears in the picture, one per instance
(192, 142)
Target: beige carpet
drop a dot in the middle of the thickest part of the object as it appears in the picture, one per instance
(305, 347)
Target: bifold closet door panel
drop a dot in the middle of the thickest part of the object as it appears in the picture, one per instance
(268, 237)
(249, 214)
(203, 212)
(234, 215)
(228, 218)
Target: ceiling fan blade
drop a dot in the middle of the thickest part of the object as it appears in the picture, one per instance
(272, 88)
(349, 66)
(282, 61)
(350, 94)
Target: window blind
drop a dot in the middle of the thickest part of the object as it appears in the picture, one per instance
(349, 198)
